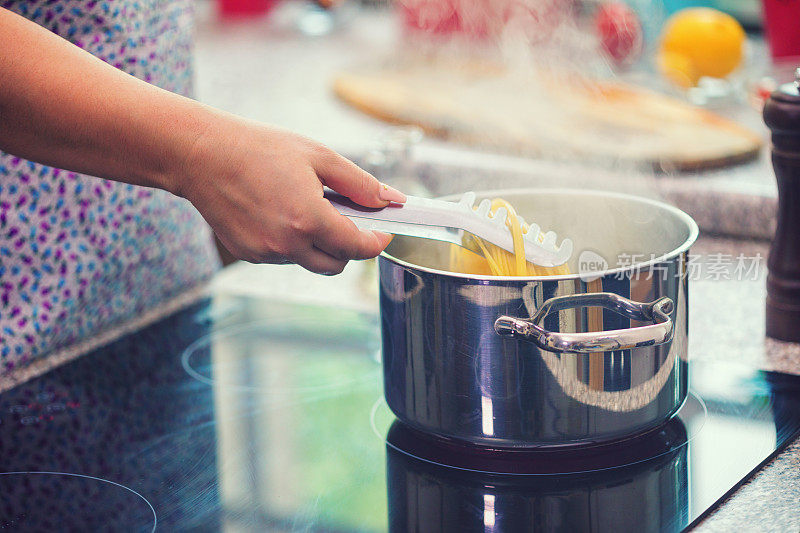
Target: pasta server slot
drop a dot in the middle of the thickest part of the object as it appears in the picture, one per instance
(453, 221)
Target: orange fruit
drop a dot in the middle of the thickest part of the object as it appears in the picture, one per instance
(699, 42)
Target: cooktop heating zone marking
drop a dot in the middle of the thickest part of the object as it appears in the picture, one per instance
(85, 476)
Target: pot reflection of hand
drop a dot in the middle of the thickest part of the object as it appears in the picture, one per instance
(647, 495)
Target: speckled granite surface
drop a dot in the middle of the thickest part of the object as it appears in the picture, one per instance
(65, 355)
(770, 501)
(718, 208)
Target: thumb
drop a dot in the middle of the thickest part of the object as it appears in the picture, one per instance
(347, 178)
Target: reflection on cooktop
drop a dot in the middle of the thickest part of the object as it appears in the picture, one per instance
(258, 419)
(663, 440)
(268, 356)
(651, 495)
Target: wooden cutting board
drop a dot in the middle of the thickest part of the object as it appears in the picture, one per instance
(528, 115)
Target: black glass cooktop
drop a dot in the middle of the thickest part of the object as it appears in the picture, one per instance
(241, 415)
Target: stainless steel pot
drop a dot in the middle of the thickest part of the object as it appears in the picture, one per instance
(544, 361)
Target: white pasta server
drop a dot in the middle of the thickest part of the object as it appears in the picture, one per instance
(452, 222)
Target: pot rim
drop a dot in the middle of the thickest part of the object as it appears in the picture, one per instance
(694, 232)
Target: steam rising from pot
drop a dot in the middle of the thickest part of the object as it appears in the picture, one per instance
(537, 62)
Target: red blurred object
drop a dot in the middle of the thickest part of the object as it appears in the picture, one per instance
(244, 8)
(620, 32)
(782, 22)
(482, 19)
(437, 17)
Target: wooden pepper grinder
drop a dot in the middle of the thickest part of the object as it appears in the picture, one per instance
(782, 115)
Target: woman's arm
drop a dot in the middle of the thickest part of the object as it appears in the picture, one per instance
(260, 188)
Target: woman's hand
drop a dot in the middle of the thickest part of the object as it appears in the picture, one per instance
(261, 189)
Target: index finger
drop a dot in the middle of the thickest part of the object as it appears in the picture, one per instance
(347, 178)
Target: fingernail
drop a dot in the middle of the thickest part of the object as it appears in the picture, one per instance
(390, 194)
(383, 236)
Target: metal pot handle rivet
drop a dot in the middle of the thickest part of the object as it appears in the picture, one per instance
(660, 332)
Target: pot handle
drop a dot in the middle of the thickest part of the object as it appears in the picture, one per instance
(601, 341)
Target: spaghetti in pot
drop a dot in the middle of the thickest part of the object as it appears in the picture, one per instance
(496, 261)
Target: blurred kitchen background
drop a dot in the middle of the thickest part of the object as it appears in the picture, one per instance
(657, 97)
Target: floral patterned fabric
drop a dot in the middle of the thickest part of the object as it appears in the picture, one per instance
(78, 253)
